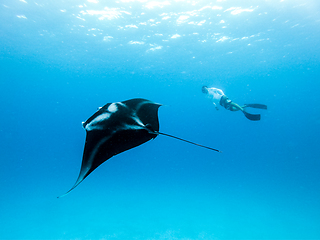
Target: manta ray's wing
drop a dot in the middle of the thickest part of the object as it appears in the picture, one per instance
(115, 128)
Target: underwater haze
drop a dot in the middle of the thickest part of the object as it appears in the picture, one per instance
(61, 60)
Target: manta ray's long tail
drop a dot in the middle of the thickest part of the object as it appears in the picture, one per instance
(199, 145)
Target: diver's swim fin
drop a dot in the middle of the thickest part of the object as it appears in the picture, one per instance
(256, 105)
(252, 117)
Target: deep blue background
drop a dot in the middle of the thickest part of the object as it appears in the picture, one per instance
(59, 64)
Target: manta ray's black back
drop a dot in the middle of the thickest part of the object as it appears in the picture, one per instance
(115, 128)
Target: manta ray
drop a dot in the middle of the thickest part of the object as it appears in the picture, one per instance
(117, 127)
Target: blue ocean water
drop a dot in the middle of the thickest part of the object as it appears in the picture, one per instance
(61, 60)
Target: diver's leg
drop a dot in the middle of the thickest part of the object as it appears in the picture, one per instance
(235, 107)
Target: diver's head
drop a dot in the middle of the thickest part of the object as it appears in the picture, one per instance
(205, 89)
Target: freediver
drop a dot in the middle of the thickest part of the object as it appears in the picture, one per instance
(217, 95)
